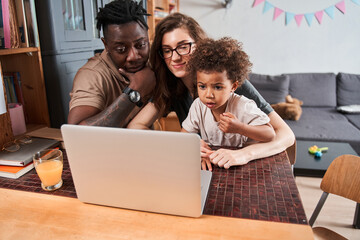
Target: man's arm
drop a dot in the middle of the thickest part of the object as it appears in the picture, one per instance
(113, 116)
(116, 114)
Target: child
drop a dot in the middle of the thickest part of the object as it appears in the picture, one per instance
(222, 117)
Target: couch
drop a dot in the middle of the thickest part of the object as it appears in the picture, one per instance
(322, 94)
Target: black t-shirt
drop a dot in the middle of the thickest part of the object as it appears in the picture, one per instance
(182, 106)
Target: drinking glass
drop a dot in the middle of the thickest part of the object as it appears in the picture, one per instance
(49, 165)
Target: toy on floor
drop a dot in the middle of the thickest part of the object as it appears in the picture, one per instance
(316, 151)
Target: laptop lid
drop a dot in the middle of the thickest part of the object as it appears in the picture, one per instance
(153, 171)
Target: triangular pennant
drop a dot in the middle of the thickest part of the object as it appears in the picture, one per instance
(319, 16)
(330, 11)
(341, 6)
(277, 13)
(288, 17)
(267, 6)
(309, 17)
(257, 2)
(298, 19)
(356, 2)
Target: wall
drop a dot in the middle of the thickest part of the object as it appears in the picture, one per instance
(333, 46)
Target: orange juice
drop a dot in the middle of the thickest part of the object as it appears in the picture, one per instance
(50, 172)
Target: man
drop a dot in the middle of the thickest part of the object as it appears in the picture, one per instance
(101, 95)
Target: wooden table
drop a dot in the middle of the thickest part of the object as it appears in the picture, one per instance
(259, 200)
(28, 215)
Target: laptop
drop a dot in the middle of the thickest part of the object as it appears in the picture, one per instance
(146, 170)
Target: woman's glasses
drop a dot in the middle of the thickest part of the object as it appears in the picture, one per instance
(14, 146)
(182, 49)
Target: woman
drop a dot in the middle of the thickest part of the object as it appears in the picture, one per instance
(175, 40)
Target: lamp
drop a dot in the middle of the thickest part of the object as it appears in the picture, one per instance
(226, 3)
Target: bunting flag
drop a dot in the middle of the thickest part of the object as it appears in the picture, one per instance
(319, 16)
(277, 12)
(289, 16)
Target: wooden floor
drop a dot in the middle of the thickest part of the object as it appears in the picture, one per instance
(337, 213)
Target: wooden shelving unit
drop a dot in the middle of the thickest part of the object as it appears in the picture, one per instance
(158, 10)
(28, 62)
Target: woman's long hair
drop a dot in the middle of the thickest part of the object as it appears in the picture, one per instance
(169, 87)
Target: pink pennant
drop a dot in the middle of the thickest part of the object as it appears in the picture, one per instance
(277, 13)
(319, 16)
(257, 2)
(341, 6)
(298, 19)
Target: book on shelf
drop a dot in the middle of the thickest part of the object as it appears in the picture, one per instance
(10, 25)
(2, 39)
(15, 171)
(31, 23)
(15, 81)
(20, 14)
(6, 23)
(23, 156)
(9, 80)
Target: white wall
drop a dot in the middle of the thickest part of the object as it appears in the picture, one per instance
(273, 47)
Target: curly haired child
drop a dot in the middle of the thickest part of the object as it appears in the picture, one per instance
(222, 117)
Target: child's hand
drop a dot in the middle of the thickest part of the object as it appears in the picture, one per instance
(205, 151)
(206, 164)
(229, 123)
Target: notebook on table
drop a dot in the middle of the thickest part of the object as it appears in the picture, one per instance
(154, 171)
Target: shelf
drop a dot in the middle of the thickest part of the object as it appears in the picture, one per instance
(158, 10)
(10, 51)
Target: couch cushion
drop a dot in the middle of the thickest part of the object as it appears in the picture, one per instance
(321, 113)
(327, 130)
(348, 86)
(273, 88)
(354, 119)
(314, 89)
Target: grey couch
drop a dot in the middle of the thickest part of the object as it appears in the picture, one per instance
(322, 94)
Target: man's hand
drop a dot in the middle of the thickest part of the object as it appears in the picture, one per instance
(143, 81)
(229, 123)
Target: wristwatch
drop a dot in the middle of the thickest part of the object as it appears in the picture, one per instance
(134, 96)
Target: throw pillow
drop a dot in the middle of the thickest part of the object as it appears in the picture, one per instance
(273, 88)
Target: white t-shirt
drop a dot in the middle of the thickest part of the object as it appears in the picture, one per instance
(201, 120)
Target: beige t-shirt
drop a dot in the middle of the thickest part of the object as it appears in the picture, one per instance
(98, 83)
(201, 120)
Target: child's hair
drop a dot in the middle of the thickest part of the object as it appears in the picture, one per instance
(121, 12)
(225, 54)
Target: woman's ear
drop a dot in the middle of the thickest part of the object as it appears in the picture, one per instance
(235, 86)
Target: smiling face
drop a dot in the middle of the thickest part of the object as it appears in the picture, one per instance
(214, 89)
(127, 45)
(177, 63)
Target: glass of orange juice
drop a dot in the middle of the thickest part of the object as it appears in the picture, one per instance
(49, 165)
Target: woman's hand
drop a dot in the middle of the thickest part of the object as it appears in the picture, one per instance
(227, 158)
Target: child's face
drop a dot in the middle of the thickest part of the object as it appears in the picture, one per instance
(214, 89)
